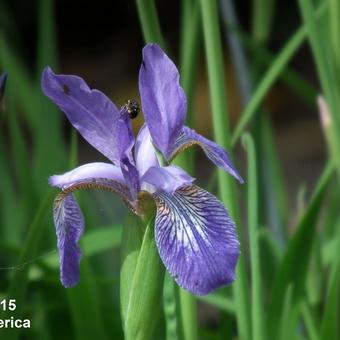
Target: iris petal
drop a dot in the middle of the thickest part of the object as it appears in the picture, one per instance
(163, 99)
(212, 150)
(196, 239)
(69, 221)
(145, 154)
(166, 178)
(86, 172)
(69, 225)
(93, 114)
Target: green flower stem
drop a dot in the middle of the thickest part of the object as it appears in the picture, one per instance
(142, 308)
(262, 19)
(253, 226)
(149, 22)
(188, 305)
(222, 136)
(132, 238)
(170, 308)
(189, 52)
(334, 22)
(188, 62)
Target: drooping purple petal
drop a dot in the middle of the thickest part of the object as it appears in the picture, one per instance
(93, 114)
(213, 151)
(145, 154)
(69, 225)
(167, 178)
(196, 239)
(86, 172)
(163, 99)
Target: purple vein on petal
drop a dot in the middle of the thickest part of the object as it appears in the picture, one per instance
(196, 239)
(69, 225)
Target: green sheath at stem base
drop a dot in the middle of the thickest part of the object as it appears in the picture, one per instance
(142, 277)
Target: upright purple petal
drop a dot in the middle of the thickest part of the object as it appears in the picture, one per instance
(87, 172)
(93, 114)
(69, 225)
(163, 100)
(196, 239)
(145, 154)
(167, 178)
(213, 151)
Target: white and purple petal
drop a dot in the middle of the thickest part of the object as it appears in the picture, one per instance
(93, 114)
(213, 151)
(69, 224)
(166, 178)
(196, 239)
(145, 154)
(163, 99)
(86, 172)
(102, 176)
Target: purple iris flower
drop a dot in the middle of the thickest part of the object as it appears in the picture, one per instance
(195, 236)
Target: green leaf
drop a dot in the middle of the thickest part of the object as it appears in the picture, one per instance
(18, 284)
(143, 306)
(293, 268)
(219, 301)
(132, 238)
(330, 321)
(85, 311)
(253, 226)
(310, 324)
(170, 308)
(270, 76)
(288, 322)
(218, 94)
(147, 13)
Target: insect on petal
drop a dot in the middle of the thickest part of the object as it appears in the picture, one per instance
(93, 114)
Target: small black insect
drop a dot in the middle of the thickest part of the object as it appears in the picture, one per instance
(132, 108)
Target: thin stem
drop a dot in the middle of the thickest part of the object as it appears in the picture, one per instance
(253, 226)
(149, 21)
(189, 51)
(188, 306)
(222, 135)
(188, 62)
